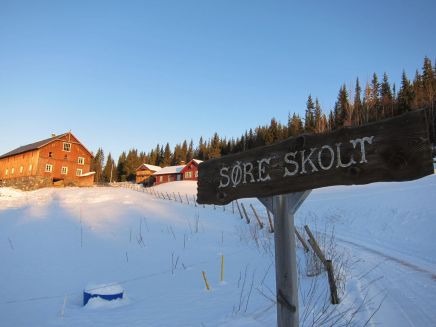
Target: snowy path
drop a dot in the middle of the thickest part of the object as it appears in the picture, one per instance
(410, 289)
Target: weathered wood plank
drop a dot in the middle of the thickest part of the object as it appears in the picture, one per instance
(396, 149)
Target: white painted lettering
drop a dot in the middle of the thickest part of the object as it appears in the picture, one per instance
(362, 146)
(224, 173)
(307, 160)
(262, 170)
(332, 157)
(292, 162)
(338, 154)
(236, 174)
(248, 165)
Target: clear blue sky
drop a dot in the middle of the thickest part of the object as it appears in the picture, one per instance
(122, 74)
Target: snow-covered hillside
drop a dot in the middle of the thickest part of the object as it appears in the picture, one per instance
(54, 242)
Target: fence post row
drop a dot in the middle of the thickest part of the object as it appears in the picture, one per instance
(334, 298)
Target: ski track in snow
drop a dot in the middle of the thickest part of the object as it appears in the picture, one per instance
(399, 261)
(410, 290)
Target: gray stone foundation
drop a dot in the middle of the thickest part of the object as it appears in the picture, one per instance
(27, 183)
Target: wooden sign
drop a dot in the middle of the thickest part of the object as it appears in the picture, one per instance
(396, 149)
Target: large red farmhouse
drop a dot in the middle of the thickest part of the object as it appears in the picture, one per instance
(190, 171)
(59, 160)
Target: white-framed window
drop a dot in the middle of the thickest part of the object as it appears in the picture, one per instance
(21, 169)
(30, 167)
(81, 160)
(48, 168)
(78, 172)
(12, 170)
(64, 170)
(188, 174)
(196, 174)
(7, 172)
(67, 147)
(160, 178)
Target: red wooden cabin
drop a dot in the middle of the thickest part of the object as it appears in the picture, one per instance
(168, 174)
(190, 172)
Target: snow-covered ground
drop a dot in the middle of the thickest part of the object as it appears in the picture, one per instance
(55, 242)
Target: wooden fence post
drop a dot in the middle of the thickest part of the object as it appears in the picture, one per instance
(205, 280)
(271, 225)
(313, 243)
(239, 209)
(302, 241)
(257, 217)
(245, 213)
(334, 298)
(222, 268)
(333, 289)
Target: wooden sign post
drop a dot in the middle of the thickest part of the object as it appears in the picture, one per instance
(281, 176)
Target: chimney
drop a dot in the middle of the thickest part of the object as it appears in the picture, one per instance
(53, 134)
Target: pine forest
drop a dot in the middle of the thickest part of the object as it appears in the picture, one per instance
(374, 100)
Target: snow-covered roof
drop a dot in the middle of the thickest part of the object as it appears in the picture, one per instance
(170, 170)
(197, 161)
(87, 174)
(149, 167)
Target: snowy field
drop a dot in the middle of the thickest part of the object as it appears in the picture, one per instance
(55, 242)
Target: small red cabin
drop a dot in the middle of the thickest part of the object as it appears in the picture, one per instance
(190, 172)
(169, 174)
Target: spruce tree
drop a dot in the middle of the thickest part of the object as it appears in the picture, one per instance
(190, 152)
(131, 164)
(405, 95)
(184, 152)
(272, 132)
(121, 170)
(309, 121)
(176, 155)
(386, 98)
(97, 163)
(374, 100)
(418, 90)
(166, 161)
(357, 105)
(109, 170)
(342, 109)
(429, 93)
(201, 152)
(214, 147)
(296, 125)
(318, 124)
